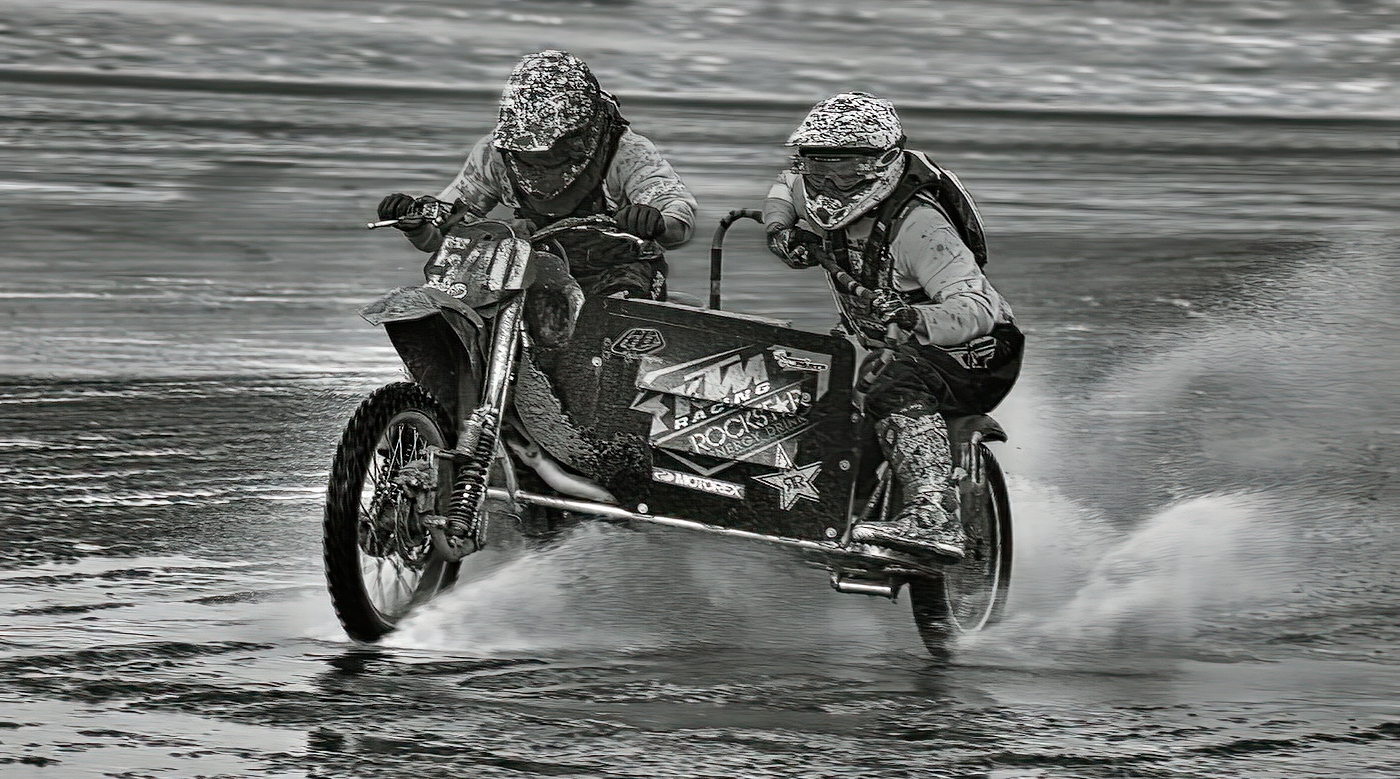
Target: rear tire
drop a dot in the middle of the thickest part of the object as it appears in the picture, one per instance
(373, 541)
(971, 595)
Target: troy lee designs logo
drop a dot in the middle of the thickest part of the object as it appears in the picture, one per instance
(638, 341)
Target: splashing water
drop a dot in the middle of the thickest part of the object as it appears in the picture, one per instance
(1135, 600)
(603, 588)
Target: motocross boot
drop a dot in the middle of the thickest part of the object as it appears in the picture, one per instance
(915, 441)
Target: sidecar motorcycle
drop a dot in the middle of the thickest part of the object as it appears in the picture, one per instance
(651, 412)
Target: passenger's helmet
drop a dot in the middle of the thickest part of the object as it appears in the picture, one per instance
(551, 122)
(850, 154)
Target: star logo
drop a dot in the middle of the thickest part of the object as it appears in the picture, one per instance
(794, 484)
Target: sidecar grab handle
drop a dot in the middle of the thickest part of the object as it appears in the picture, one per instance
(717, 248)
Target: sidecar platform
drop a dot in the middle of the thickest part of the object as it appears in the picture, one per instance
(872, 561)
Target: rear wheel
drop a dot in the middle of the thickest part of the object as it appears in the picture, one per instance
(972, 594)
(379, 557)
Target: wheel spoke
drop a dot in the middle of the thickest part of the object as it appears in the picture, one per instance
(393, 548)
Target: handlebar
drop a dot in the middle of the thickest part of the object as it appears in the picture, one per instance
(846, 280)
(429, 209)
(717, 248)
(603, 224)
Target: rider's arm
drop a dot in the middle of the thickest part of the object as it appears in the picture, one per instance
(928, 253)
(644, 177)
(474, 189)
(481, 180)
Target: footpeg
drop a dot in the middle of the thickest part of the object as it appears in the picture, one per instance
(873, 588)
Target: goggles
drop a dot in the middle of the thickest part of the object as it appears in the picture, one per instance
(843, 171)
(575, 147)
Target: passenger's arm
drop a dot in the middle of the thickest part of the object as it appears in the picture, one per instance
(929, 251)
(779, 212)
(790, 243)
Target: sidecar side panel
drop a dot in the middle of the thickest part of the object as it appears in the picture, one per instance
(742, 422)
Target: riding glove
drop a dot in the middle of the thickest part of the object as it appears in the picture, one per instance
(403, 208)
(640, 220)
(888, 307)
(796, 248)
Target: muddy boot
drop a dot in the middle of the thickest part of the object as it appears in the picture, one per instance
(916, 445)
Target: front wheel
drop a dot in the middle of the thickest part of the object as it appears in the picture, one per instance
(379, 558)
(972, 594)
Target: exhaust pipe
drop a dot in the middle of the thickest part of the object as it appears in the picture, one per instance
(555, 476)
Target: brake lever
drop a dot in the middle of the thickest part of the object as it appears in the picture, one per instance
(435, 213)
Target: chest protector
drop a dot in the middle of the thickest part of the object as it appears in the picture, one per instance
(923, 183)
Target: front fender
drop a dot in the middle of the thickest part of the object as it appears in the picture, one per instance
(438, 339)
(406, 304)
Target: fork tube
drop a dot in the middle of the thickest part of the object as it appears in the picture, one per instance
(482, 428)
(503, 348)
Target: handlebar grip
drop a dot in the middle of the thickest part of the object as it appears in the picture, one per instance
(381, 223)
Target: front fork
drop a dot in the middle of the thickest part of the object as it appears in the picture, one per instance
(463, 530)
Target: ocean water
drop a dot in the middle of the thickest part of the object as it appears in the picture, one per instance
(1191, 206)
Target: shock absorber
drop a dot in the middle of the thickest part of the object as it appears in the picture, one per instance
(465, 518)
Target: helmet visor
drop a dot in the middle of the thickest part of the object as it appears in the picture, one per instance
(842, 173)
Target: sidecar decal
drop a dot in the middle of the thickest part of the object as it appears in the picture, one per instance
(792, 359)
(697, 467)
(637, 342)
(793, 485)
(690, 481)
(748, 376)
(793, 362)
(722, 431)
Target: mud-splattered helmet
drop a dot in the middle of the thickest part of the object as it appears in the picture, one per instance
(850, 154)
(551, 122)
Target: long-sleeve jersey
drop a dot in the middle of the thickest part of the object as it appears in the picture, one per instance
(638, 175)
(928, 255)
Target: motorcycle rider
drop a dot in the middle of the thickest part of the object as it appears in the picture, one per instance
(561, 149)
(948, 343)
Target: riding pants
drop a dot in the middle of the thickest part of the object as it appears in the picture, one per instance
(953, 381)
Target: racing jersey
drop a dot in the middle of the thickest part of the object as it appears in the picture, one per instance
(638, 174)
(931, 263)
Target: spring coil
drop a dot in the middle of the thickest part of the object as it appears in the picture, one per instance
(464, 519)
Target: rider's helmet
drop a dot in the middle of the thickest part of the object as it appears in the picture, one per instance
(551, 122)
(850, 153)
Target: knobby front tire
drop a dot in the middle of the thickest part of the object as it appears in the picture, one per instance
(379, 560)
